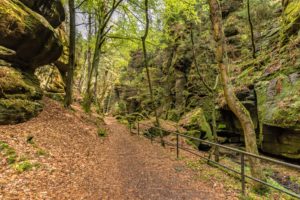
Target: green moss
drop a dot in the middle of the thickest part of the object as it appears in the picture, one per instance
(17, 110)
(291, 19)
(19, 105)
(16, 84)
(196, 120)
(278, 102)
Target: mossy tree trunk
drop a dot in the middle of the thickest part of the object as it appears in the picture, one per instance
(234, 104)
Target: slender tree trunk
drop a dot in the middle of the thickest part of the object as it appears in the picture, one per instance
(109, 100)
(83, 73)
(251, 30)
(94, 67)
(96, 85)
(144, 38)
(89, 50)
(234, 104)
(69, 86)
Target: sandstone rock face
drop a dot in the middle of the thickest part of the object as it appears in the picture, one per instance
(28, 34)
(273, 85)
(51, 10)
(27, 40)
(51, 82)
(63, 62)
(18, 95)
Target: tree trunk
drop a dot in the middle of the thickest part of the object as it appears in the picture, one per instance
(89, 50)
(144, 38)
(251, 30)
(234, 104)
(104, 16)
(83, 73)
(69, 86)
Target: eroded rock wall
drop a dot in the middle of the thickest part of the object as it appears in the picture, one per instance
(28, 39)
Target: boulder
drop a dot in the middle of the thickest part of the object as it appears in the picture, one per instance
(196, 124)
(28, 34)
(27, 40)
(52, 10)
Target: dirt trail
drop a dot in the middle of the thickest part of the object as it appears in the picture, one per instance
(147, 171)
(80, 165)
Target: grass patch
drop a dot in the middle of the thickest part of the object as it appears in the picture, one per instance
(41, 152)
(20, 164)
(25, 166)
(102, 132)
(8, 152)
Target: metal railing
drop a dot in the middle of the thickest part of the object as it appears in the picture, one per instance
(242, 173)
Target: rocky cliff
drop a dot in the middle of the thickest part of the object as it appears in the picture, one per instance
(28, 39)
(268, 85)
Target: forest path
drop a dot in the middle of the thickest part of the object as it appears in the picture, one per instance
(74, 163)
(148, 171)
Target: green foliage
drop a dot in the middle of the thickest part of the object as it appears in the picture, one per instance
(41, 152)
(25, 166)
(102, 132)
(8, 152)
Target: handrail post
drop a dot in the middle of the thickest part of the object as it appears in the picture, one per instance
(138, 127)
(243, 173)
(177, 145)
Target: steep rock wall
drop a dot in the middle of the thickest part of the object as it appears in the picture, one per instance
(27, 40)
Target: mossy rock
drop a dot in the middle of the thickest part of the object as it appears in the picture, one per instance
(52, 10)
(50, 79)
(281, 142)
(19, 95)
(28, 34)
(279, 101)
(63, 62)
(291, 20)
(7, 54)
(14, 111)
(196, 124)
(17, 84)
(279, 114)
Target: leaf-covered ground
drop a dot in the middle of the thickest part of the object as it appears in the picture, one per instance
(59, 155)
